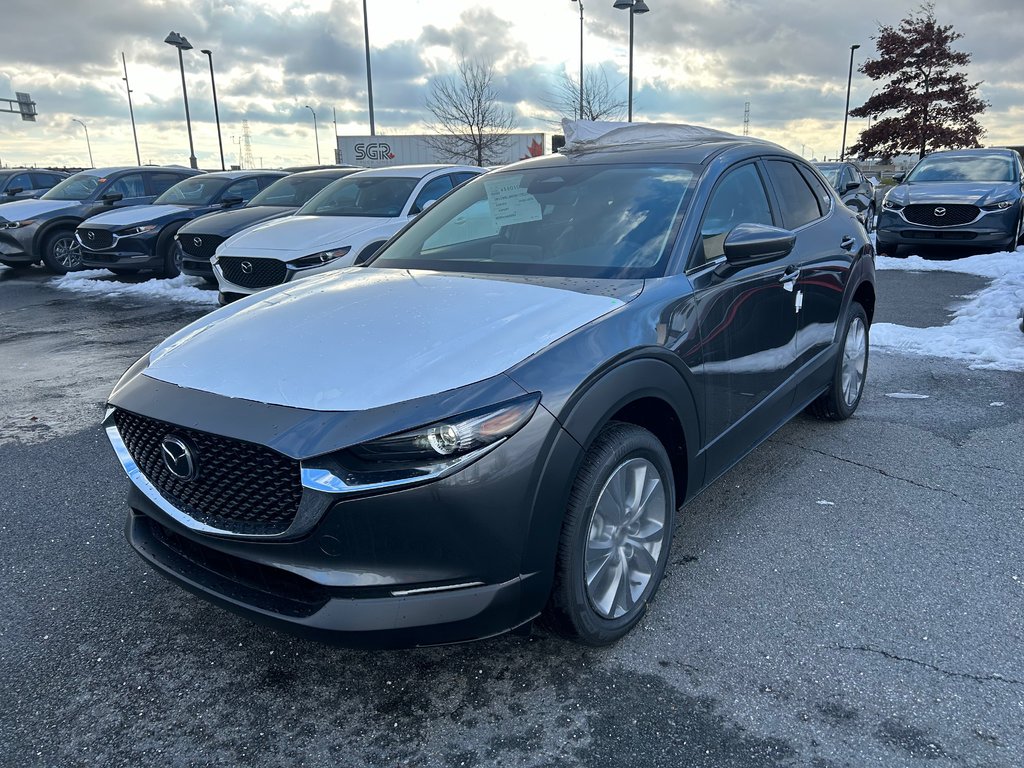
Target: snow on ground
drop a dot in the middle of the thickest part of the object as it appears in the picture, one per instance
(984, 332)
(99, 282)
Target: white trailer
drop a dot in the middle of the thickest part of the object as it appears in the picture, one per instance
(380, 151)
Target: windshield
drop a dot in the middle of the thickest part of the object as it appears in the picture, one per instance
(962, 168)
(382, 196)
(291, 191)
(81, 186)
(606, 221)
(195, 191)
(831, 175)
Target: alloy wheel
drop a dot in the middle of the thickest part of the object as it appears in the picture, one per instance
(854, 360)
(625, 539)
(67, 253)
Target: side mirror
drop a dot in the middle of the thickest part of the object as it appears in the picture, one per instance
(756, 243)
(14, 191)
(850, 186)
(111, 197)
(227, 202)
(899, 177)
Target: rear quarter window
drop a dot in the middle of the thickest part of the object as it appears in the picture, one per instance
(798, 202)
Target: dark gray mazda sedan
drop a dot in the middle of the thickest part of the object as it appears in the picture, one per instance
(498, 416)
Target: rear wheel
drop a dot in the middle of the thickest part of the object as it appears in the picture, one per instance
(843, 396)
(869, 219)
(61, 252)
(615, 538)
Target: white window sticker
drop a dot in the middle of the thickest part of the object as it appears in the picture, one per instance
(510, 203)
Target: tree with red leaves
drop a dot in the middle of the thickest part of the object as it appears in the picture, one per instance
(929, 103)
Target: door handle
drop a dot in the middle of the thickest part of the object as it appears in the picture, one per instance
(847, 243)
(790, 275)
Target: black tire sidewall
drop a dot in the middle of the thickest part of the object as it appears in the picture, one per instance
(839, 405)
(617, 444)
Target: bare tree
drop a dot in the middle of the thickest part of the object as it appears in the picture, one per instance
(471, 125)
(600, 101)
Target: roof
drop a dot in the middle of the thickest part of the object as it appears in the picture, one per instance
(243, 174)
(414, 171)
(588, 135)
(334, 172)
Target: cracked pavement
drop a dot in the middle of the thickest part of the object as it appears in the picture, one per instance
(848, 596)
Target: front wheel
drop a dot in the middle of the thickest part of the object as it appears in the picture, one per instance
(843, 396)
(615, 538)
(61, 252)
(885, 249)
(869, 220)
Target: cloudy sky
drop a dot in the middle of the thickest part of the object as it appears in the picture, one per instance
(697, 61)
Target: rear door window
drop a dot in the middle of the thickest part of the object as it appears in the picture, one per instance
(798, 202)
(44, 180)
(161, 182)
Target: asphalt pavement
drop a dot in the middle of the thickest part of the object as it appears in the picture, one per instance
(850, 595)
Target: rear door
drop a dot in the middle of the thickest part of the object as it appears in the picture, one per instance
(746, 321)
(824, 252)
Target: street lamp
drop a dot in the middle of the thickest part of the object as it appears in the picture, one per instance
(216, 112)
(369, 77)
(87, 142)
(182, 44)
(871, 116)
(131, 110)
(315, 134)
(846, 114)
(581, 57)
(634, 7)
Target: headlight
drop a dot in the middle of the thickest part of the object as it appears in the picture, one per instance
(140, 230)
(18, 224)
(324, 257)
(425, 453)
(1002, 205)
(891, 205)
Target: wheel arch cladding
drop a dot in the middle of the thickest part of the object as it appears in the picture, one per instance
(651, 394)
(47, 228)
(865, 296)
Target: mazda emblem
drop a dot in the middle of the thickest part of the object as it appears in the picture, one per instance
(939, 212)
(91, 235)
(246, 267)
(197, 242)
(178, 458)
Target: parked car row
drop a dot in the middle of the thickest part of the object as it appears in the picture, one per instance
(244, 230)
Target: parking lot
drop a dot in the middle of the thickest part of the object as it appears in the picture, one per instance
(849, 595)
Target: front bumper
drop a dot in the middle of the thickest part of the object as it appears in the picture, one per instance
(16, 244)
(456, 559)
(992, 228)
(196, 266)
(127, 252)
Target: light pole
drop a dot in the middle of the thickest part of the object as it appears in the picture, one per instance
(369, 77)
(315, 134)
(337, 159)
(216, 112)
(131, 111)
(581, 57)
(634, 7)
(182, 44)
(871, 116)
(846, 114)
(87, 142)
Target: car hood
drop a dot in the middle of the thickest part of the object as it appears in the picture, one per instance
(138, 214)
(362, 338)
(969, 192)
(305, 234)
(224, 223)
(30, 209)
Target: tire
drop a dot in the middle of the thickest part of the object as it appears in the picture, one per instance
(885, 249)
(597, 611)
(61, 252)
(844, 394)
(170, 257)
(869, 219)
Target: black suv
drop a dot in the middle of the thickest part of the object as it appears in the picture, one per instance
(855, 189)
(500, 413)
(44, 229)
(25, 183)
(198, 240)
(142, 237)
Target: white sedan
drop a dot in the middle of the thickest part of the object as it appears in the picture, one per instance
(344, 224)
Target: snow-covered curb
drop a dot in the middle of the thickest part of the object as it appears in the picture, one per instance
(984, 331)
(99, 282)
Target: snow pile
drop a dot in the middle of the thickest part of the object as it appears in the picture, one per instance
(99, 282)
(984, 332)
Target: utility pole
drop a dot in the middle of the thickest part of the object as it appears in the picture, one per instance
(131, 110)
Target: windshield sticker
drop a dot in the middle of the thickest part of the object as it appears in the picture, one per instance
(510, 203)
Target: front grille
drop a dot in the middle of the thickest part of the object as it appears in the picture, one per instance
(253, 273)
(258, 585)
(96, 238)
(953, 216)
(200, 246)
(239, 487)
